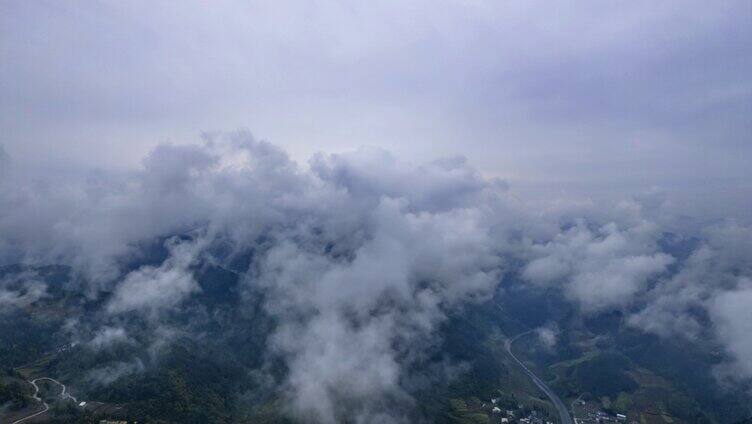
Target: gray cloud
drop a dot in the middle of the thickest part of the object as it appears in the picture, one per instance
(151, 289)
(4, 161)
(578, 98)
(548, 335)
(110, 373)
(365, 320)
(602, 268)
(361, 257)
(714, 279)
(21, 290)
(93, 221)
(109, 336)
(417, 243)
(575, 107)
(731, 312)
(364, 255)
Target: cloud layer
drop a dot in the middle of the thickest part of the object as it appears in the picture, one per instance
(361, 257)
(582, 97)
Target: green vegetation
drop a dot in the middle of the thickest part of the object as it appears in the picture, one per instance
(210, 375)
(603, 375)
(190, 386)
(14, 391)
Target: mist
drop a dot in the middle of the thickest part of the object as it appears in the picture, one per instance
(367, 172)
(361, 256)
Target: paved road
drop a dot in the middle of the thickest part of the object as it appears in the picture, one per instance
(64, 394)
(564, 417)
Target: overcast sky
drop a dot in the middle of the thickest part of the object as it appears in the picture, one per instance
(591, 130)
(593, 98)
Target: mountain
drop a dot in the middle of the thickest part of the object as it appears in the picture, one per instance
(207, 361)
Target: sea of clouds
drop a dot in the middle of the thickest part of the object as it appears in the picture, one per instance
(361, 256)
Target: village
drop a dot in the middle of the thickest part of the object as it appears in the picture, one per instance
(506, 412)
(589, 413)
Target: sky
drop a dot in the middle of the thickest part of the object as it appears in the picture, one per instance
(580, 98)
(386, 164)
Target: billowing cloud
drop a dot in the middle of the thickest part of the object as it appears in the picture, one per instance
(112, 372)
(731, 312)
(361, 253)
(599, 268)
(21, 292)
(548, 335)
(712, 285)
(109, 336)
(151, 288)
(95, 221)
(360, 258)
(351, 326)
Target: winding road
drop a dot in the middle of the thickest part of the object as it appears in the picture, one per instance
(564, 417)
(64, 394)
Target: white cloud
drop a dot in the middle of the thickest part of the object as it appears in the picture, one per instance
(361, 257)
(601, 268)
(109, 336)
(153, 289)
(548, 335)
(731, 312)
(27, 293)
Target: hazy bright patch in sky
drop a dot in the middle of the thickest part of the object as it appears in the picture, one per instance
(587, 98)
